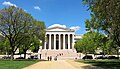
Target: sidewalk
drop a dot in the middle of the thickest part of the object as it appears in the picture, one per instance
(61, 64)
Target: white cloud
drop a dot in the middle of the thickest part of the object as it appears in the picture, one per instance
(64, 26)
(25, 10)
(9, 3)
(37, 7)
(76, 28)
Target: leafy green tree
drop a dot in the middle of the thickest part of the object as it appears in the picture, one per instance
(92, 24)
(4, 46)
(40, 30)
(81, 46)
(107, 15)
(2, 49)
(7, 48)
(13, 22)
(90, 42)
(26, 44)
(33, 37)
(36, 44)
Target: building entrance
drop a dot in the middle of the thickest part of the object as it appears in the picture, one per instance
(57, 44)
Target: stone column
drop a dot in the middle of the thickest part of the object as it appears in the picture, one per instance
(49, 41)
(55, 41)
(72, 41)
(45, 43)
(59, 41)
(68, 41)
(63, 41)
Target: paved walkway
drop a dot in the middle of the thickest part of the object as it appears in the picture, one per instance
(60, 64)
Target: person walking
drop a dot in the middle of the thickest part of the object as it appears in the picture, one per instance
(55, 58)
(48, 58)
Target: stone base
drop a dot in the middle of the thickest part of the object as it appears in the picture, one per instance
(61, 54)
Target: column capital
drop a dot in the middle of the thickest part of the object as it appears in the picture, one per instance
(54, 34)
(48, 34)
(68, 34)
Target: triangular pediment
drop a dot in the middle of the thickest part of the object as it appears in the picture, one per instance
(57, 27)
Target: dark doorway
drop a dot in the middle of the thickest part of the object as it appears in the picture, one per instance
(57, 44)
(67, 46)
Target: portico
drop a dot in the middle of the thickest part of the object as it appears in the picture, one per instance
(58, 38)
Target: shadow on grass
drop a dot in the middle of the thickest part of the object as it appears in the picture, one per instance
(108, 65)
(91, 67)
(105, 64)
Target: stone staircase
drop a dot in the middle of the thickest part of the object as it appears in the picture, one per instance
(61, 54)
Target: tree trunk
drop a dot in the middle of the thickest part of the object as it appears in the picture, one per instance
(103, 52)
(118, 53)
(85, 54)
(25, 54)
(12, 55)
(12, 51)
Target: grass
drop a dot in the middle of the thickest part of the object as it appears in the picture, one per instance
(15, 64)
(106, 64)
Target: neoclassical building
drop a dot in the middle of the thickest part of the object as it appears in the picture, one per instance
(59, 37)
(59, 40)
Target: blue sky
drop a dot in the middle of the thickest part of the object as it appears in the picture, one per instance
(71, 13)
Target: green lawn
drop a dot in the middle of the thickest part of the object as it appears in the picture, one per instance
(15, 64)
(106, 64)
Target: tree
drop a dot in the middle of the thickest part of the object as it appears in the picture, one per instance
(6, 45)
(36, 44)
(107, 14)
(2, 48)
(92, 24)
(26, 44)
(90, 42)
(40, 30)
(34, 36)
(13, 22)
(80, 46)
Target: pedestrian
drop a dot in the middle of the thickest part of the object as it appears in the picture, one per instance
(60, 54)
(55, 58)
(48, 58)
